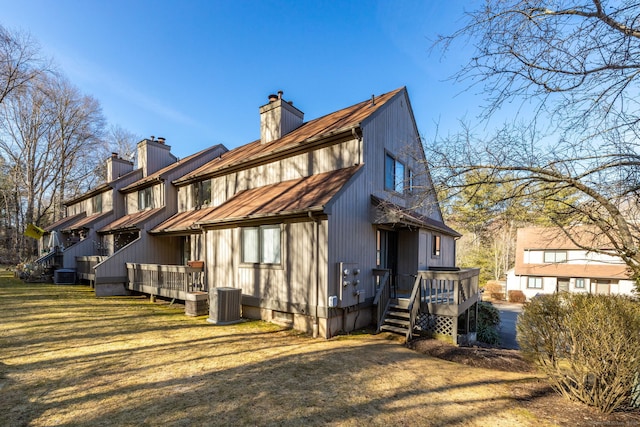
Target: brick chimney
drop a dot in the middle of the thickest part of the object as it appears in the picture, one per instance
(278, 118)
(116, 167)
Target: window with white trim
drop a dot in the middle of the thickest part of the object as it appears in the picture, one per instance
(261, 245)
(555, 256)
(579, 283)
(534, 282)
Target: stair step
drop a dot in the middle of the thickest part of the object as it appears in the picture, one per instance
(399, 307)
(395, 329)
(402, 314)
(402, 303)
(401, 322)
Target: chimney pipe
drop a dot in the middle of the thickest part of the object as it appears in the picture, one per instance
(280, 94)
(161, 140)
(114, 155)
(153, 138)
(273, 98)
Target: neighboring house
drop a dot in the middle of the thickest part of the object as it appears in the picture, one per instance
(308, 220)
(547, 261)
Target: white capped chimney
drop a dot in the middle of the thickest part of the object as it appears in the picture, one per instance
(278, 118)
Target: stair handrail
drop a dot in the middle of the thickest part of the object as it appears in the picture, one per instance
(414, 306)
(383, 294)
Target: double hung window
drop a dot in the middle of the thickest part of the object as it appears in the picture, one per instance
(145, 199)
(534, 282)
(261, 245)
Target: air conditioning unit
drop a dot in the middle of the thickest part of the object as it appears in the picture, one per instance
(64, 276)
(225, 305)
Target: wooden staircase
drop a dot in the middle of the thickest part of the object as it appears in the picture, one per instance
(397, 317)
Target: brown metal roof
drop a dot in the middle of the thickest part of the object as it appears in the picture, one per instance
(131, 221)
(611, 271)
(552, 238)
(391, 213)
(183, 221)
(85, 222)
(555, 238)
(314, 130)
(287, 197)
(158, 174)
(61, 223)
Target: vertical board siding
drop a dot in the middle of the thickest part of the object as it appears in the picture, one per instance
(338, 156)
(392, 129)
(293, 282)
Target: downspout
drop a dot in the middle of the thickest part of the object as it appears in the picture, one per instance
(206, 260)
(317, 258)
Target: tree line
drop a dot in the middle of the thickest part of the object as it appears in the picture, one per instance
(53, 142)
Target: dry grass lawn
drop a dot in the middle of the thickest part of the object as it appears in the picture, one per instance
(69, 358)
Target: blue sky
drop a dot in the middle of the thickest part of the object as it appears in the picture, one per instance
(195, 71)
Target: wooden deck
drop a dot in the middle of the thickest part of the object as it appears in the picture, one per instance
(436, 301)
(170, 281)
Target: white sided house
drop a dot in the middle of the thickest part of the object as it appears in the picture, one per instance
(327, 225)
(547, 261)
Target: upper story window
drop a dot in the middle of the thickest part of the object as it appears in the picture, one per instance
(145, 200)
(394, 174)
(579, 283)
(201, 193)
(96, 204)
(555, 256)
(261, 245)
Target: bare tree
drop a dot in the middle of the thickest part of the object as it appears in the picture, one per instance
(579, 60)
(20, 61)
(75, 137)
(574, 155)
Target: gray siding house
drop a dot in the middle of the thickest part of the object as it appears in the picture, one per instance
(325, 225)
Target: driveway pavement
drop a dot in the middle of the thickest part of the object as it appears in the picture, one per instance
(508, 317)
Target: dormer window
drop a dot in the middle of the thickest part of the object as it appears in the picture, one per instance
(96, 204)
(201, 194)
(144, 199)
(394, 174)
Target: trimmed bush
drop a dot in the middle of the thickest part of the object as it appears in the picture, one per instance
(488, 324)
(588, 345)
(517, 296)
(495, 290)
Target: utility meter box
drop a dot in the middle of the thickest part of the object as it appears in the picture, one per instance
(350, 284)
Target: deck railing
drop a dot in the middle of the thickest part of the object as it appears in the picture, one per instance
(173, 281)
(383, 294)
(50, 259)
(85, 266)
(448, 291)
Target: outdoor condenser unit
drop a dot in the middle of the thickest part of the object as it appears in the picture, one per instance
(224, 305)
(64, 276)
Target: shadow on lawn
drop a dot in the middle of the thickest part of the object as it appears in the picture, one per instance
(121, 373)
